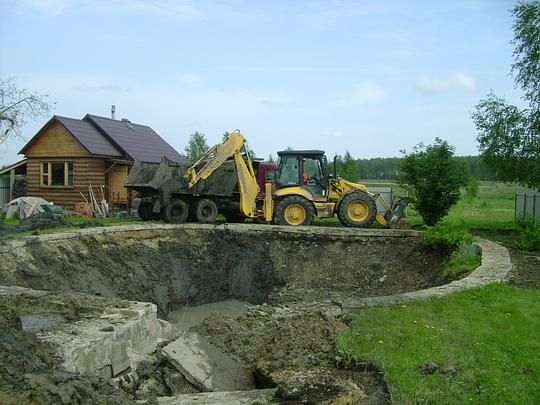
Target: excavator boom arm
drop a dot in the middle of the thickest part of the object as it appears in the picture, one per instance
(214, 158)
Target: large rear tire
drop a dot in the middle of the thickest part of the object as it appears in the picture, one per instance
(357, 209)
(205, 210)
(294, 210)
(176, 211)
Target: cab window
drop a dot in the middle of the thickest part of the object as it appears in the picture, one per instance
(288, 171)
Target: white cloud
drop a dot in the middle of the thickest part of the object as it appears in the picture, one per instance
(456, 81)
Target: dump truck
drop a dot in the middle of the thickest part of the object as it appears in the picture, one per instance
(177, 193)
(226, 180)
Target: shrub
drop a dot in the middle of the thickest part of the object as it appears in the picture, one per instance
(446, 236)
(530, 235)
(433, 178)
(465, 258)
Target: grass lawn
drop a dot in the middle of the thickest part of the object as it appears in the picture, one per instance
(490, 335)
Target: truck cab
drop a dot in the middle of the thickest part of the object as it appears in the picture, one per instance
(306, 169)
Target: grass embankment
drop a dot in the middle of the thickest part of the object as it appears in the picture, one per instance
(490, 336)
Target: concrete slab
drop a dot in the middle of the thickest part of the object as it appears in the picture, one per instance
(203, 365)
(261, 397)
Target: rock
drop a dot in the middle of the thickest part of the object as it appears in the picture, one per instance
(176, 382)
(428, 367)
(255, 397)
(450, 370)
(330, 312)
(316, 386)
(204, 366)
(107, 329)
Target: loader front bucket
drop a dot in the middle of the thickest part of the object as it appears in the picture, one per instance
(397, 218)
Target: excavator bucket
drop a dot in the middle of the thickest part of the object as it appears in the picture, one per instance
(396, 217)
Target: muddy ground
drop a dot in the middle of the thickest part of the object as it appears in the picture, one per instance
(29, 372)
(291, 348)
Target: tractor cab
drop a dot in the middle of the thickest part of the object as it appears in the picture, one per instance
(306, 169)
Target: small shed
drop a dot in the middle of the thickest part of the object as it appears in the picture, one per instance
(527, 205)
(7, 180)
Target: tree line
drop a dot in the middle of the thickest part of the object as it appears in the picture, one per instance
(390, 168)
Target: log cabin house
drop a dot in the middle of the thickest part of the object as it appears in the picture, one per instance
(68, 155)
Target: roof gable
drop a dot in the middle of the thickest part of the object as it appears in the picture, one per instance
(84, 134)
(140, 142)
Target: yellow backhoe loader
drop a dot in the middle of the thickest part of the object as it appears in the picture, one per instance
(294, 194)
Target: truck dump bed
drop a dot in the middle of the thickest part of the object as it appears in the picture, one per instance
(150, 175)
(169, 175)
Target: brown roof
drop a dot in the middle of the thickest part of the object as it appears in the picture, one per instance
(92, 140)
(115, 138)
(137, 141)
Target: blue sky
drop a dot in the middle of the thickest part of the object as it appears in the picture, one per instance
(371, 77)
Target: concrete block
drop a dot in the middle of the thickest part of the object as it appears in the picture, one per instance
(203, 365)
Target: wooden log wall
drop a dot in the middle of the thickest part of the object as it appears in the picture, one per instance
(85, 171)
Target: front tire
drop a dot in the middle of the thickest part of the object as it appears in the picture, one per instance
(176, 211)
(294, 210)
(357, 210)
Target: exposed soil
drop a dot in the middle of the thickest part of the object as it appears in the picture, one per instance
(289, 344)
(28, 372)
(42, 220)
(526, 271)
(293, 348)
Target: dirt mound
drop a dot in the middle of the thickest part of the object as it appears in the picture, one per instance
(43, 220)
(27, 373)
(293, 348)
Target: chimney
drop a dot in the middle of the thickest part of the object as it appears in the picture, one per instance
(113, 110)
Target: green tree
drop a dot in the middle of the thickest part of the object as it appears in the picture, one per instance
(433, 178)
(196, 146)
(349, 171)
(509, 137)
(271, 159)
(17, 106)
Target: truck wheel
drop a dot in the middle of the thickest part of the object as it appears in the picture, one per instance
(205, 210)
(294, 210)
(176, 211)
(357, 210)
(145, 211)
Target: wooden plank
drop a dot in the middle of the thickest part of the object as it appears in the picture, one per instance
(56, 141)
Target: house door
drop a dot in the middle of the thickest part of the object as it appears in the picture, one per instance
(118, 194)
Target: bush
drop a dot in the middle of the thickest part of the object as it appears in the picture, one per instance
(472, 189)
(433, 178)
(447, 236)
(530, 235)
(465, 258)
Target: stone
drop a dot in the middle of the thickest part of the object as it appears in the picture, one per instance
(261, 397)
(204, 366)
(428, 367)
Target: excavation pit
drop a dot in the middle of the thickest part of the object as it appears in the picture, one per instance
(286, 276)
(194, 264)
